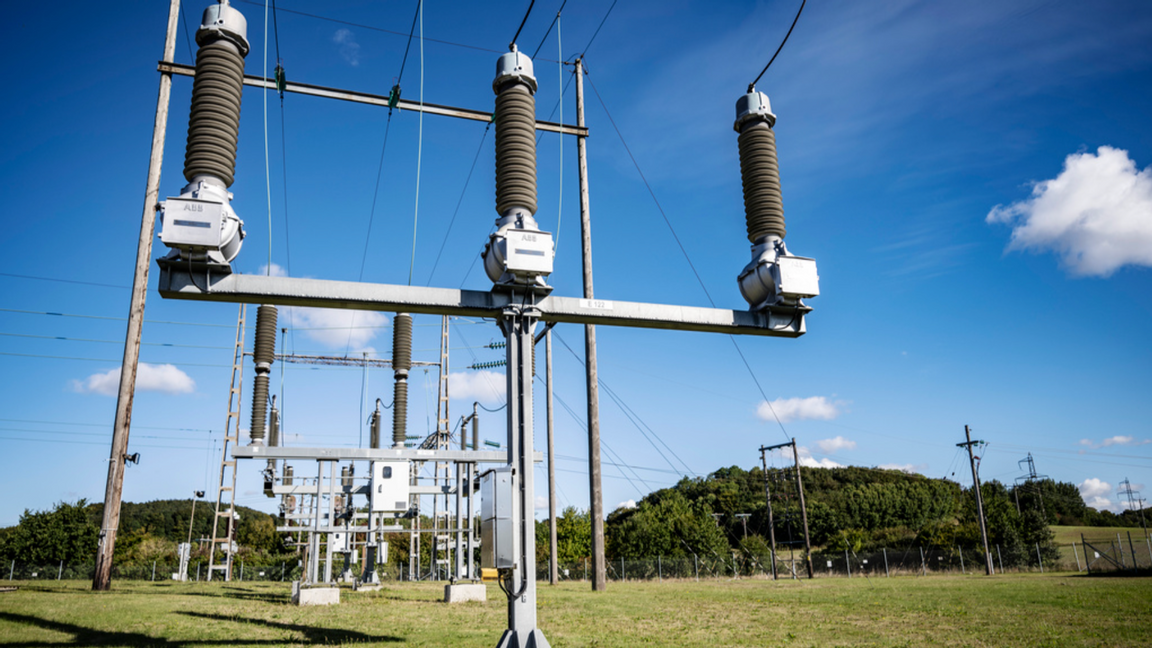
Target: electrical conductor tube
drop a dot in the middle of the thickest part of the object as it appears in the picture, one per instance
(401, 363)
(273, 432)
(263, 355)
(374, 438)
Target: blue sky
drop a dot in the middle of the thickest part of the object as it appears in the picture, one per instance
(972, 178)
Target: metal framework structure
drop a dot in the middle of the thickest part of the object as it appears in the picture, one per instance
(518, 310)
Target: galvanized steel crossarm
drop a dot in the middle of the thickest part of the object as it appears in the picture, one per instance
(372, 454)
(373, 99)
(291, 291)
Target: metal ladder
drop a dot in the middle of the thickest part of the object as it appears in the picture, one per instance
(228, 466)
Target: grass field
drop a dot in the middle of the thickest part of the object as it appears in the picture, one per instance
(1070, 534)
(1009, 610)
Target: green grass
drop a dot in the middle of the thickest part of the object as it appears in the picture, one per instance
(1069, 534)
(1009, 610)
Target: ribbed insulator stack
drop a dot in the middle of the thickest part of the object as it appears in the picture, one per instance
(345, 476)
(374, 437)
(763, 207)
(214, 121)
(273, 432)
(288, 474)
(515, 149)
(401, 363)
(263, 355)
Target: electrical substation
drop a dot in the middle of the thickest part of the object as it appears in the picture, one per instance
(337, 502)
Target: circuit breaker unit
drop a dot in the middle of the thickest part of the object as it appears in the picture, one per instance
(498, 540)
(389, 486)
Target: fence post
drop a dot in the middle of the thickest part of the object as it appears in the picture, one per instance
(1041, 561)
(12, 570)
(886, 574)
(1077, 556)
(695, 559)
(961, 552)
(923, 565)
(241, 571)
(282, 572)
(585, 569)
(153, 571)
(622, 578)
(659, 568)
(60, 571)
(1132, 548)
(197, 572)
(847, 565)
(1001, 558)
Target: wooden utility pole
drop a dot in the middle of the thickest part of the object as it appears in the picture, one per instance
(596, 495)
(102, 578)
(979, 498)
(768, 498)
(803, 510)
(803, 506)
(553, 567)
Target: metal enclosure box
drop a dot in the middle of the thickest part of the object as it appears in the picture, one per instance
(389, 486)
(797, 278)
(339, 542)
(528, 252)
(498, 540)
(191, 223)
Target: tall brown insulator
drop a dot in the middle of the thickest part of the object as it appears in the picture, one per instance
(263, 355)
(401, 363)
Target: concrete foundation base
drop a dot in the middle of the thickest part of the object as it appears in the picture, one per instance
(314, 595)
(462, 592)
(367, 587)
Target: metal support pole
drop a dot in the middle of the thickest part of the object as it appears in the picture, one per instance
(968, 443)
(198, 572)
(1077, 557)
(1132, 548)
(153, 570)
(60, 571)
(768, 499)
(923, 565)
(518, 323)
(596, 495)
(696, 562)
(12, 569)
(1040, 561)
(1000, 558)
(961, 552)
(1120, 543)
(847, 565)
(659, 568)
(102, 577)
(886, 574)
(553, 559)
(803, 510)
(331, 522)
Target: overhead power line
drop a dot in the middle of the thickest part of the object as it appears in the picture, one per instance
(752, 86)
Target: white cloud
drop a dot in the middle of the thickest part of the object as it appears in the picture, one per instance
(1100, 503)
(808, 461)
(908, 468)
(1118, 440)
(349, 48)
(799, 409)
(832, 445)
(627, 504)
(1092, 487)
(335, 328)
(541, 503)
(484, 386)
(164, 378)
(1097, 214)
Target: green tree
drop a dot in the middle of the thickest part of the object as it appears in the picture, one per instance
(47, 537)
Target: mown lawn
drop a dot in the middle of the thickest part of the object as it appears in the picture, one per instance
(1009, 610)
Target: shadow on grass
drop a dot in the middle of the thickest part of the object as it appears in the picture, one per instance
(82, 636)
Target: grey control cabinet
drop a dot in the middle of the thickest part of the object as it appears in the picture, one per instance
(498, 541)
(389, 486)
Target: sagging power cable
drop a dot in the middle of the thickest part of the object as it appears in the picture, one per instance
(752, 86)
